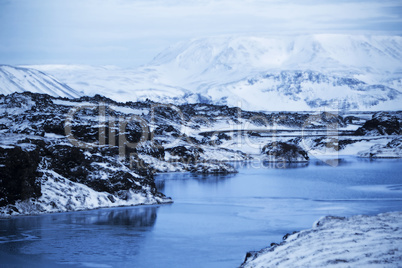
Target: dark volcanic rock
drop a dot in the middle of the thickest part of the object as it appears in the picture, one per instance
(186, 154)
(19, 175)
(68, 161)
(382, 123)
(96, 169)
(167, 129)
(282, 151)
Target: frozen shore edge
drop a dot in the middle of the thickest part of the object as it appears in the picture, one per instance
(358, 241)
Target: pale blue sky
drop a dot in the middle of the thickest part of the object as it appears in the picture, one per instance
(129, 33)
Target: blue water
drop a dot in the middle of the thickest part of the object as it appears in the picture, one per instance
(214, 221)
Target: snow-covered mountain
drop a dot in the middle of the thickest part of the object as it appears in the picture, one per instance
(19, 79)
(258, 73)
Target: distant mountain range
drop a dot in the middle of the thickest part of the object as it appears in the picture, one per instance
(307, 72)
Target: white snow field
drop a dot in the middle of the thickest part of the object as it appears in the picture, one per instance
(358, 241)
(20, 79)
(284, 73)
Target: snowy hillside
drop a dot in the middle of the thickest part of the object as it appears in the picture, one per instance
(258, 73)
(17, 79)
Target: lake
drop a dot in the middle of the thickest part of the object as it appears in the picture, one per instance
(214, 221)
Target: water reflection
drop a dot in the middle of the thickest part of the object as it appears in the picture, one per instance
(211, 178)
(160, 184)
(332, 162)
(139, 217)
(20, 229)
(269, 165)
(104, 235)
(160, 180)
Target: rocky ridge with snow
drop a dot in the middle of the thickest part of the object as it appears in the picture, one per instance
(59, 154)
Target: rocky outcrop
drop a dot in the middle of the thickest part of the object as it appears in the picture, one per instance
(185, 154)
(392, 149)
(381, 123)
(41, 171)
(19, 174)
(284, 152)
(213, 168)
(89, 178)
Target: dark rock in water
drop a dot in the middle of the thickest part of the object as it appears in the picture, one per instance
(282, 151)
(19, 175)
(381, 123)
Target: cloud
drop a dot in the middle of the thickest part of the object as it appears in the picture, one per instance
(130, 32)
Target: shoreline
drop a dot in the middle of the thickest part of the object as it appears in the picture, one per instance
(167, 200)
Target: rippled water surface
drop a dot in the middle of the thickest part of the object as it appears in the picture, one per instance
(214, 221)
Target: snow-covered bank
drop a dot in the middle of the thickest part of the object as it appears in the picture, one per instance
(359, 241)
(61, 195)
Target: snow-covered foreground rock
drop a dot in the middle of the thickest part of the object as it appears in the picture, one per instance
(358, 241)
(40, 175)
(258, 73)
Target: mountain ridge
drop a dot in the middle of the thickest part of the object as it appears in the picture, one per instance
(258, 73)
(21, 79)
